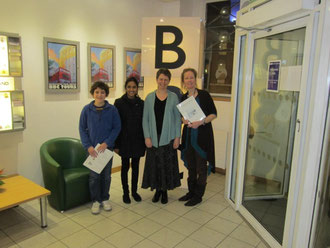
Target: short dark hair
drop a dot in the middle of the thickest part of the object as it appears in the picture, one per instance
(186, 70)
(101, 85)
(164, 71)
(131, 79)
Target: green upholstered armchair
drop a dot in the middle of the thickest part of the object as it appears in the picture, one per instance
(63, 172)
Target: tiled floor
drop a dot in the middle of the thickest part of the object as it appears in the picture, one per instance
(210, 224)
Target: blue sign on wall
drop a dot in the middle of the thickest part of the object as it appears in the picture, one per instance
(273, 78)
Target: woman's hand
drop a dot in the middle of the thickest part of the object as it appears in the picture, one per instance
(176, 143)
(148, 142)
(92, 152)
(196, 124)
(184, 121)
(102, 147)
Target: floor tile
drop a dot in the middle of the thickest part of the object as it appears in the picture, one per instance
(102, 244)
(86, 218)
(145, 227)
(231, 215)
(147, 244)
(167, 237)
(105, 228)
(221, 225)
(262, 245)
(162, 217)
(39, 240)
(190, 243)
(198, 216)
(81, 239)
(245, 234)
(126, 218)
(57, 244)
(64, 229)
(233, 243)
(177, 207)
(124, 238)
(21, 230)
(184, 226)
(144, 208)
(10, 217)
(211, 207)
(4, 240)
(207, 236)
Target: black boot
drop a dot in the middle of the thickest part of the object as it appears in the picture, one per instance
(186, 197)
(164, 199)
(156, 196)
(126, 198)
(136, 197)
(194, 201)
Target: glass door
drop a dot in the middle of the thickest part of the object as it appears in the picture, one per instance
(238, 118)
(276, 72)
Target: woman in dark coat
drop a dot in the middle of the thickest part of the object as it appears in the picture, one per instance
(130, 142)
(197, 140)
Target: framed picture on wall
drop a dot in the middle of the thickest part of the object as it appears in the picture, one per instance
(101, 64)
(132, 65)
(61, 58)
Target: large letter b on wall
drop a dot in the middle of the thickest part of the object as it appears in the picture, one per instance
(160, 47)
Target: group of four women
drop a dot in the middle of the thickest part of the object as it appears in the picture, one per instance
(131, 126)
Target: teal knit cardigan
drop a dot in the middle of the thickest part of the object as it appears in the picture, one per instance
(171, 123)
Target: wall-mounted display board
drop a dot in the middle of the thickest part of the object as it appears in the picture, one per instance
(10, 55)
(12, 113)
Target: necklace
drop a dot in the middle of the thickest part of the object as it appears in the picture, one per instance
(193, 94)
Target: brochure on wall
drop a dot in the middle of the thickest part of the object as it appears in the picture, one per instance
(190, 110)
(97, 164)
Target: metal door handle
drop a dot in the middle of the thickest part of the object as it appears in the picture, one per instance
(298, 122)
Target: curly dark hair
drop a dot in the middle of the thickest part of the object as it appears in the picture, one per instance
(101, 85)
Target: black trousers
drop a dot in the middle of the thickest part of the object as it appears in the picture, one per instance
(197, 172)
(135, 173)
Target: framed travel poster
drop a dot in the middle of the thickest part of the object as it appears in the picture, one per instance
(101, 64)
(132, 64)
(61, 66)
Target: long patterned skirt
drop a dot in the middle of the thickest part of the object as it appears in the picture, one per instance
(161, 169)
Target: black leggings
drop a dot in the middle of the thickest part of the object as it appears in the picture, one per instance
(135, 174)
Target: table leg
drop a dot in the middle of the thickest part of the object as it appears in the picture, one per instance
(43, 211)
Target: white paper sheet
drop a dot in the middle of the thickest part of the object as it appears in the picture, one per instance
(190, 110)
(97, 164)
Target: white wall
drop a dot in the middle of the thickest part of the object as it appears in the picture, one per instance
(110, 22)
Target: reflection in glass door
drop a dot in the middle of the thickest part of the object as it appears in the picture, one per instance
(272, 123)
(322, 232)
(238, 118)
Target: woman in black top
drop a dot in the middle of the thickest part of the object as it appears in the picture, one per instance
(197, 140)
(130, 142)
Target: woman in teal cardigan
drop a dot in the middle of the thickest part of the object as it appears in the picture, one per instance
(162, 131)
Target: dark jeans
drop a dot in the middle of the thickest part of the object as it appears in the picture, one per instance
(197, 173)
(135, 174)
(99, 184)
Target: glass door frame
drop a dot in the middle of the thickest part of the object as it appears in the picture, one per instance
(295, 22)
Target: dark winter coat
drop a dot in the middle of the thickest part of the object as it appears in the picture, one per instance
(205, 138)
(130, 141)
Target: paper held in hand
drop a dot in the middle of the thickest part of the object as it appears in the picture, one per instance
(190, 110)
(97, 164)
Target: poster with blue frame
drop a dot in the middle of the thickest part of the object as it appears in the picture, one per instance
(273, 76)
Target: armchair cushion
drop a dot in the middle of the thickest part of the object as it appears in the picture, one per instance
(63, 172)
